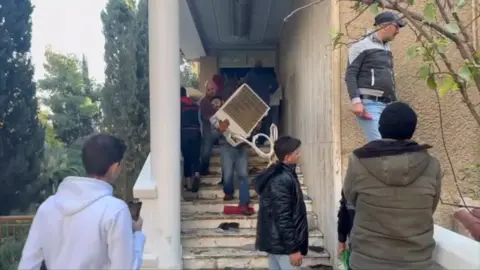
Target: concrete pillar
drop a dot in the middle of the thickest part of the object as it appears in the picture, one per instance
(164, 57)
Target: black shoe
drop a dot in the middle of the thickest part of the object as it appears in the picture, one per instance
(228, 197)
(205, 173)
(229, 226)
(195, 184)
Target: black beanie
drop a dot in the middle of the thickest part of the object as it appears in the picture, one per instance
(398, 121)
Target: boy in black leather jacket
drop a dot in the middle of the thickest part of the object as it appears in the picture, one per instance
(282, 227)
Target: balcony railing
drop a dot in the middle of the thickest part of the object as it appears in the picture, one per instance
(14, 226)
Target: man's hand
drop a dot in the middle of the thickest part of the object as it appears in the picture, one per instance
(341, 247)
(223, 125)
(137, 225)
(296, 259)
(359, 110)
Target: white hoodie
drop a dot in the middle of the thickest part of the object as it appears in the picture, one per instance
(83, 226)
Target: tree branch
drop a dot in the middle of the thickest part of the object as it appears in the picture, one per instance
(395, 5)
(447, 62)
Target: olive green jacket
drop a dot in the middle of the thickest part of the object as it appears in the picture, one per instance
(395, 193)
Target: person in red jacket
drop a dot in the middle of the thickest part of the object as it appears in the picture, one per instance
(191, 140)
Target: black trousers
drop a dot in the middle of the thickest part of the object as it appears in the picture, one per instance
(191, 142)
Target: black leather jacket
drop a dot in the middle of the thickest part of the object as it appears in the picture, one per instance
(282, 226)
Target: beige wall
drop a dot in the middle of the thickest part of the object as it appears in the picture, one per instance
(463, 135)
(207, 66)
(307, 74)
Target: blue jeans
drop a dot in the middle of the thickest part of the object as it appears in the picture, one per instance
(370, 126)
(280, 262)
(209, 137)
(235, 161)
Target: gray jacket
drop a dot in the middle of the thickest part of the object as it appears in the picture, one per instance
(370, 65)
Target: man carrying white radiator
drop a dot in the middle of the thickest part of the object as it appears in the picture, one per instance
(234, 160)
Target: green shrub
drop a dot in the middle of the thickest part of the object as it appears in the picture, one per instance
(11, 251)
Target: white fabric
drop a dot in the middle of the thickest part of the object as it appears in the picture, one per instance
(276, 97)
(83, 226)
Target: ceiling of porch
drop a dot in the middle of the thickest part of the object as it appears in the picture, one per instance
(239, 24)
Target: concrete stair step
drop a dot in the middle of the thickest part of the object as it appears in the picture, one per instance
(216, 205)
(245, 257)
(209, 191)
(251, 152)
(252, 168)
(217, 169)
(252, 160)
(215, 177)
(211, 220)
(220, 238)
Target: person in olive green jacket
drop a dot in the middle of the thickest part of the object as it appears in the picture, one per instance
(394, 184)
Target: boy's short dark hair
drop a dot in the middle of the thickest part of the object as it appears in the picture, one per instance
(101, 151)
(285, 145)
(183, 91)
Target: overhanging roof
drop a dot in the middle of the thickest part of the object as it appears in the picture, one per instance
(190, 42)
(219, 21)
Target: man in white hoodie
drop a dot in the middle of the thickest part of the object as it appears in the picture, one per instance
(83, 226)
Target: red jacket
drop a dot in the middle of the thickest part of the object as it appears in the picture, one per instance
(189, 114)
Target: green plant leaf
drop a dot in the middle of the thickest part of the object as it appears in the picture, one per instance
(424, 72)
(412, 51)
(459, 5)
(448, 84)
(336, 39)
(431, 82)
(453, 28)
(374, 8)
(411, 2)
(465, 73)
(429, 12)
(441, 44)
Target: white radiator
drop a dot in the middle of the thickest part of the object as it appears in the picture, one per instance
(243, 110)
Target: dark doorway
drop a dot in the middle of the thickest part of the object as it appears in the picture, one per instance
(240, 73)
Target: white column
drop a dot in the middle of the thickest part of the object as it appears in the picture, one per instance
(164, 57)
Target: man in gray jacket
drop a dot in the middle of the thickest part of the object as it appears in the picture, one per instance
(369, 76)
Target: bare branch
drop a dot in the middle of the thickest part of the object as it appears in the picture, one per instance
(347, 24)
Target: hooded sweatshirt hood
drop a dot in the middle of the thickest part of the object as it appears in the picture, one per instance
(76, 193)
(395, 163)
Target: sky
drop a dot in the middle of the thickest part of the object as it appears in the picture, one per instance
(69, 26)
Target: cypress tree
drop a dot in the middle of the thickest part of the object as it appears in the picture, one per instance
(22, 137)
(119, 103)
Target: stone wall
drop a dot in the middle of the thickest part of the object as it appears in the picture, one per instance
(311, 97)
(208, 66)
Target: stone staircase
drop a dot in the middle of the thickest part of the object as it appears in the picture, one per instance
(205, 246)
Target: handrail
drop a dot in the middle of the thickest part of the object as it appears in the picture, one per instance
(10, 225)
(15, 218)
(144, 187)
(455, 251)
